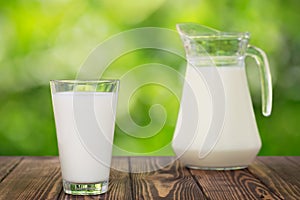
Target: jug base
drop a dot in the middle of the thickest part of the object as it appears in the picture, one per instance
(215, 168)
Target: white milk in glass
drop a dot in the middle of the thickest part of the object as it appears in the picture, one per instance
(237, 142)
(85, 126)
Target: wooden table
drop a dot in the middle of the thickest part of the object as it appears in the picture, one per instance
(267, 178)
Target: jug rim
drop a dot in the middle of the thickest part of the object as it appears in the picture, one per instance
(220, 35)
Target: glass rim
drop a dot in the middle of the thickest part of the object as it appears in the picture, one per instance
(75, 81)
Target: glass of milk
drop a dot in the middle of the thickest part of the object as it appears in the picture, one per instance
(84, 112)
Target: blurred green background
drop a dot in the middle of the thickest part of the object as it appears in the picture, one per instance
(43, 40)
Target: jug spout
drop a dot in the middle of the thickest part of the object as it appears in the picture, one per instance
(191, 35)
(194, 30)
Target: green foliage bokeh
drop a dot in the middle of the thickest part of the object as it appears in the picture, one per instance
(42, 40)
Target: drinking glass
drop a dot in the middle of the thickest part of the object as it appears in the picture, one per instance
(84, 112)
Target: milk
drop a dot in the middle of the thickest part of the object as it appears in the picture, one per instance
(85, 127)
(216, 126)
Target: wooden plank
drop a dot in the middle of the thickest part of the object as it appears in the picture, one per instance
(167, 181)
(279, 174)
(80, 197)
(294, 159)
(7, 164)
(231, 184)
(33, 178)
(119, 183)
(287, 169)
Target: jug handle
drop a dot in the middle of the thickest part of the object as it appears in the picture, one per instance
(265, 77)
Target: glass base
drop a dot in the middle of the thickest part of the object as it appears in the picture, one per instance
(85, 188)
(216, 168)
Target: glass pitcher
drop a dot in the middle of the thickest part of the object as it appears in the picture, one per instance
(216, 126)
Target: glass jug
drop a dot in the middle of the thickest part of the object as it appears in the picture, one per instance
(216, 126)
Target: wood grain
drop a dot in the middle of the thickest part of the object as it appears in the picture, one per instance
(279, 174)
(119, 186)
(33, 178)
(295, 159)
(79, 197)
(7, 164)
(231, 184)
(172, 181)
